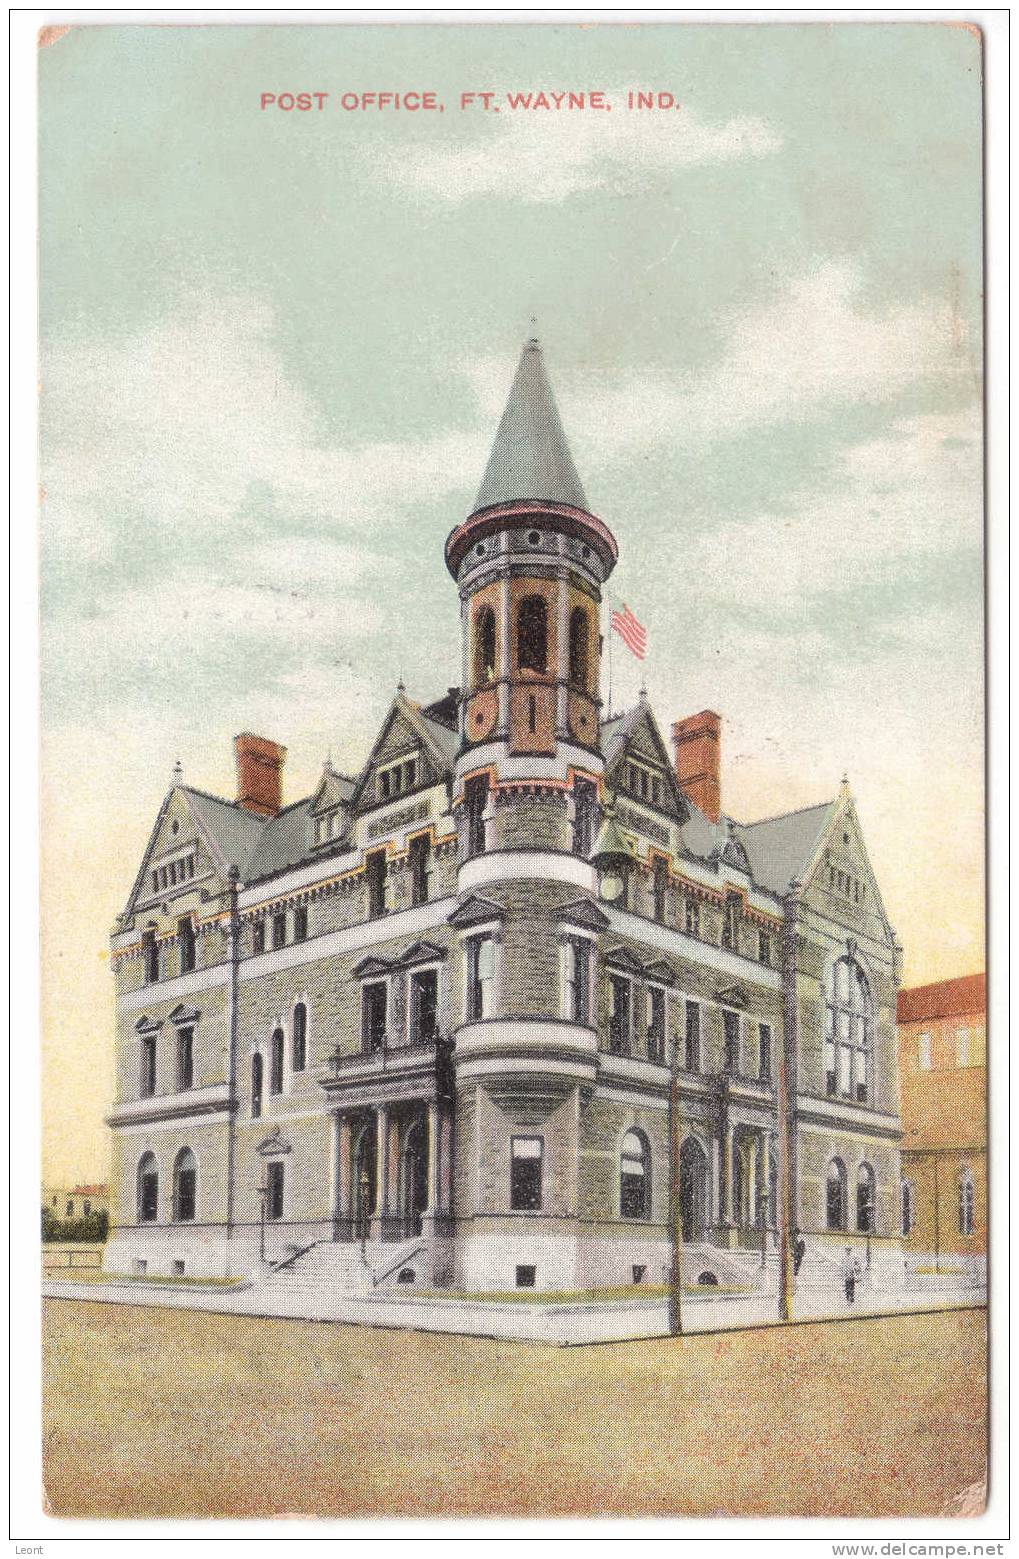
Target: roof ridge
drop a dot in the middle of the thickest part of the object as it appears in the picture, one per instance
(207, 795)
(776, 817)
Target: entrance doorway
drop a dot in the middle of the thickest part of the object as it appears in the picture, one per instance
(693, 1190)
(413, 1179)
(364, 1196)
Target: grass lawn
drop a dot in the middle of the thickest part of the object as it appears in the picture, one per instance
(96, 1275)
(170, 1413)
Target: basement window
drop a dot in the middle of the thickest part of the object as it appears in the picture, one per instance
(526, 1277)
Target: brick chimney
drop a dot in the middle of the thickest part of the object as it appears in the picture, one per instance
(697, 741)
(259, 773)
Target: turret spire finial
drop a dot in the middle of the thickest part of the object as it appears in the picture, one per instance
(177, 773)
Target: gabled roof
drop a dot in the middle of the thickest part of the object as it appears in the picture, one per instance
(439, 742)
(585, 913)
(780, 849)
(333, 789)
(284, 842)
(965, 996)
(230, 830)
(530, 457)
(617, 735)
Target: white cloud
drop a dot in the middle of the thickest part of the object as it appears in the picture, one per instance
(813, 346)
(893, 501)
(542, 158)
(179, 425)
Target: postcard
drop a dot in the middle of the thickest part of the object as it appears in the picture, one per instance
(513, 807)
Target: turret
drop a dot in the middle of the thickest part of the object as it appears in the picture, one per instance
(530, 561)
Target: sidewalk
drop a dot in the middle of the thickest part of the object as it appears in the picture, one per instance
(564, 1322)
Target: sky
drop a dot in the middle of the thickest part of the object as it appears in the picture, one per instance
(275, 347)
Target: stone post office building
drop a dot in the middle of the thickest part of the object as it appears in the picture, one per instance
(422, 1020)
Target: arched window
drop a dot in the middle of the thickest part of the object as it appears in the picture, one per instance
(908, 1208)
(866, 1200)
(299, 1048)
(185, 1182)
(579, 647)
(532, 634)
(966, 1202)
(276, 1062)
(484, 645)
(148, 1188)
(835, 1195)
(256, 1084)
(847, 1036)
(635, 1177)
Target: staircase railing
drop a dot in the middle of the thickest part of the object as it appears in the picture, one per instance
(279, 1266)
(380, 1277)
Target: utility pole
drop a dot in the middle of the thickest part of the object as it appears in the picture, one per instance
(675, 1204)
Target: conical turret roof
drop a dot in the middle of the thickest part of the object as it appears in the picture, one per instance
(530, 458)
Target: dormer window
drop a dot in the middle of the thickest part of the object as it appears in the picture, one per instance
(328, 826)
(150, 956)
(730, 922)
(397, 778)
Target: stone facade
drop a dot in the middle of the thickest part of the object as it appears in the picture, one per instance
(460, 1003)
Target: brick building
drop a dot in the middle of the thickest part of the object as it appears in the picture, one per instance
(943, 1090)
(422, 1019)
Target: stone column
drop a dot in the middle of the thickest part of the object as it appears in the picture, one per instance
(434, 1127)
(341, 1172)
(715, 1182)
(381, 1170)
(503, 670)
(728, 1212)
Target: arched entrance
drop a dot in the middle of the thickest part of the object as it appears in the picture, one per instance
(363, 1194)
(412, 1184)
(693, 1190)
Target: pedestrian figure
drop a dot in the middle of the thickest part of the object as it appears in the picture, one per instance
(799, 1251)
(851, 1273)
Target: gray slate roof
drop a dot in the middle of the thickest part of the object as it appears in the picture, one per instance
(284, 842)
(530, 457)
(780, 848)
(234, 830)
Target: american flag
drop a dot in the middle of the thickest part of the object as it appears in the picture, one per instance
(632, 633)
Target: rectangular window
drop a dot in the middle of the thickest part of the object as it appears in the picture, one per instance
(279, 929)
(276, 1062)
(693, 1037)
(619, 1015)
(660, 888)
(374, 1001)
(150, 954)
(375, 870)
(424, 1006)
(962, 1047)
(730, 1021)
(186, 942)
(764, 1058)
(258, 937)
(693, 918)
(476, 800)
(301, 923)
(420, 862)
(155, 882)
(274, 1190)
(656, 1024)
(656, 790)
(924, 1056)
(763, 947)
(829, 1051)
(526, 1276)
(148, 1071)
(578, 979)
(585, 805)
(729, 922)
(480, 973)
(525, 1174)
(185, 1058)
